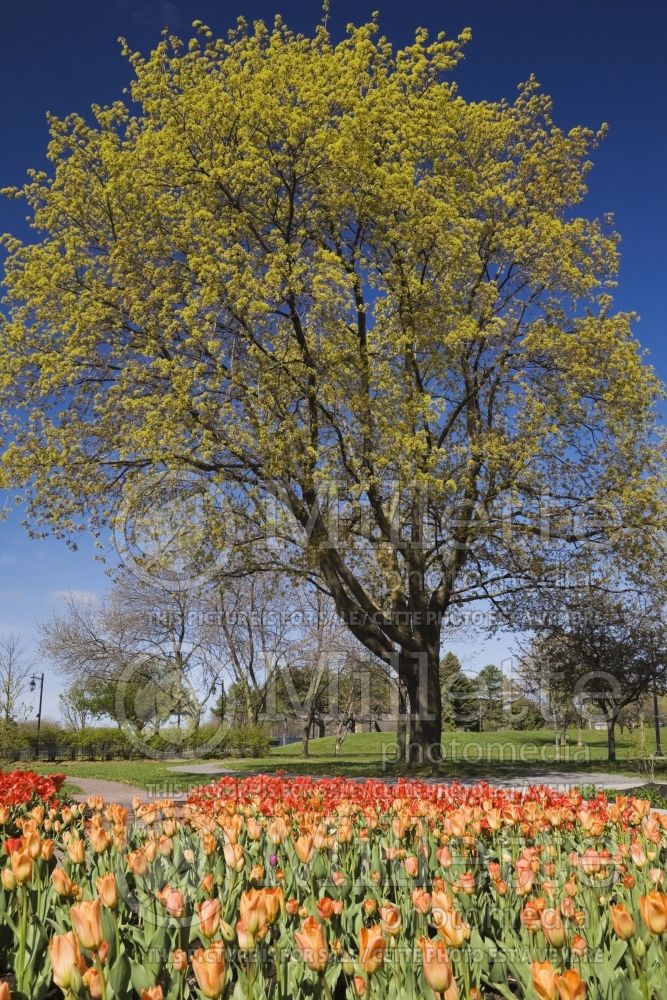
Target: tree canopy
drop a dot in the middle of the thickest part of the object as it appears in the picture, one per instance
(362, 308)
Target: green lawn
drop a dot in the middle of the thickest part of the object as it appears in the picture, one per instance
(508, 753)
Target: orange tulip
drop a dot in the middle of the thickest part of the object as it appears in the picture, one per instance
(411, 865)
(137, 862)
(578, 946)
(544, 978)
(359, 986)
(93, 983)
(252, 910)
(421, 900)
(66, 961)
(312, 944)
(7, 879)
(454, 929)
(76, 850)
(21, 863)
(571, 986)
(4, 991)
(179, 960)
(234, 856)
(209, 917)
(304, 848)
(154, 993)
(274, 903)
(622, 921)
(435, 963)
(107, 890)
(371, 948)
(653, 908)
(392, 921)
(210, 970)
(47, 849)
(87, 920)
(246, 939)
(552, 926)
(277, 830)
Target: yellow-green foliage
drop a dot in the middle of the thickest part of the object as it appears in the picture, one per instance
(283, 260)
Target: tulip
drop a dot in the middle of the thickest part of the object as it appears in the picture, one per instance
(579, 946)
(421, 900)
(653, 908)
(411, 865)
(87, 920)
(552, 925)
(359, 985)
(544, 978)
(392, 920)
(371, 948)
(4, 991)
(179, 960)
(209, 917)
(454, 929)
(76, 850)
(92, 980)
(137, 862)
(571, 986)
(274, 903)
(435, 963)
(253, 913)
(312, 944)
(245, 937)
(209, 968)
(47, 849)
(277, 831)
(8, 880)
(66, 961)
(622, 921)
(107, 890)
(234, 856)
(154, 993)
(303, 847)
(325, 907)
(530, 917)
(32, 844)
(21, 863)
(175, 904)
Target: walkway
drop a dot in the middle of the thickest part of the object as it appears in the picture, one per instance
(111, 791)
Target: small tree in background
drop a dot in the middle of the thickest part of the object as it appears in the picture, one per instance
(16, 666)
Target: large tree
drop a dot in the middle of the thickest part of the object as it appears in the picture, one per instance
(360, 307)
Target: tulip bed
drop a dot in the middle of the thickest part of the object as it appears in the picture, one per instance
(281, 888)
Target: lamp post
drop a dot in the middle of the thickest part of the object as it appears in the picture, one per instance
(33, 684)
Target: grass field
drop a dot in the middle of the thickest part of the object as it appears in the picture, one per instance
(508, 753)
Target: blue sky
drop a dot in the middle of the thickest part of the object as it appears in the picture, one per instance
(602, 60)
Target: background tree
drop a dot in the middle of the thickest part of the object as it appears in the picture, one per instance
(16, 666)
(144, 650)
(87, 700)
(601, 653)
(459, 695)
(361, 308)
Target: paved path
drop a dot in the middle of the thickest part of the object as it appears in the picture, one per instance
(562, 780)
(111, 791)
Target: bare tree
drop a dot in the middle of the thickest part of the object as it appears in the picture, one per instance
(146, 639)
(16, 666)
(250, 623)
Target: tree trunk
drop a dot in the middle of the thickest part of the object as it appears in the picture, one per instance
(305, 739)
(403, 719)
(422, 681)
(611, 740)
